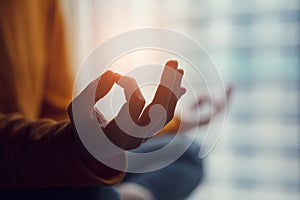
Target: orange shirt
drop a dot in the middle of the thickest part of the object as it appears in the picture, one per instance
(35, 83)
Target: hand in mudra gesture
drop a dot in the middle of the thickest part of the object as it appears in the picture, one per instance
(141, 122)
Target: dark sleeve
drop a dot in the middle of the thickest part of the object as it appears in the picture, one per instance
(42, 153)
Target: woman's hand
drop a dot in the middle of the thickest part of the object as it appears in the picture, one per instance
(216, 108)
(132, 126)
(141, 125)
(183, 123)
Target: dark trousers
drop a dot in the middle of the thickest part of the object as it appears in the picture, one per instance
(175, 181)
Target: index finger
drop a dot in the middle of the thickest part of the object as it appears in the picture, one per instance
(133, 96)
(105, 83)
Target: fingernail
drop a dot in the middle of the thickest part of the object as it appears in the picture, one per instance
(117, 77)
(181, 71)
(172, 63)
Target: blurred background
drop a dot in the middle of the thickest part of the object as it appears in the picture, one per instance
(255, 45)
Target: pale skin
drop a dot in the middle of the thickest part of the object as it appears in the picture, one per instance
(216, 107)
(138, 112)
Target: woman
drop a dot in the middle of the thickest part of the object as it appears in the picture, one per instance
(42, 158)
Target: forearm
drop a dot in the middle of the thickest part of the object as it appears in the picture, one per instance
(43, 153)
